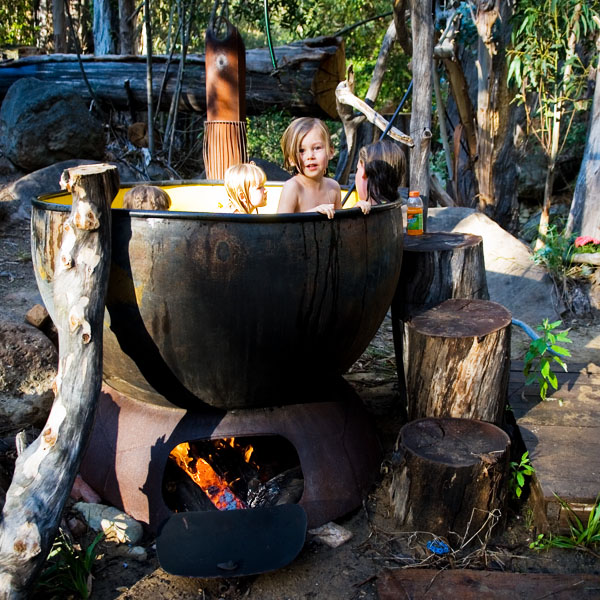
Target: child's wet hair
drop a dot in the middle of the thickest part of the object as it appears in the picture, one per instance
(385, 167)
(240, 178)
(292, 139)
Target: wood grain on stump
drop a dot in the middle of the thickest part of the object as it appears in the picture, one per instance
(459, 361)
(435, 267)
(449, 476)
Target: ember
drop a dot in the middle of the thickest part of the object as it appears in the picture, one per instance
(204, 475)
(233, 474)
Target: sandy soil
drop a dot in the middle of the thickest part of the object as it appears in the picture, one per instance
(351, 570)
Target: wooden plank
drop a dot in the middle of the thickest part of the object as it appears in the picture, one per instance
(580, 408)
(467, 584)
(566, 460)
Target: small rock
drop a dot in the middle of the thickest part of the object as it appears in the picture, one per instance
(331, 534)
(76, 527)
(132, 552)
(37, 316)
(116, 525)
(82, 491)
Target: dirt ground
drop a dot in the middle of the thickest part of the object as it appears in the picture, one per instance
(351, 570)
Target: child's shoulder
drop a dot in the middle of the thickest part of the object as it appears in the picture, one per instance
(332, 183)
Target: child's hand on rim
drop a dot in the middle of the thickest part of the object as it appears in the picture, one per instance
(364, 205)
(326, 209)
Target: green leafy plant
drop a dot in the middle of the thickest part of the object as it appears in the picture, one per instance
(518, 472)
(68, 570)
(542, 352)
(583, 536)
(540, 542)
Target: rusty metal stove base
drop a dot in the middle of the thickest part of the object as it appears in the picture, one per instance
(131, 440)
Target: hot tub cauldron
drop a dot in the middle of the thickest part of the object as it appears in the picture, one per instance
(232, 310)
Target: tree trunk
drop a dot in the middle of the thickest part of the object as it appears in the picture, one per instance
(420, 122)
(304, 84)
(59, 28)
(127, 27)
(45, 471)
(103, 38)
(459, 361)
(496, 167)
(584, 216)
(448, 476)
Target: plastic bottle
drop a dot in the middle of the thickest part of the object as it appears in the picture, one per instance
(414, 214)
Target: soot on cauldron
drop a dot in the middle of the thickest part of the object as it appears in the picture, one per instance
(232, 474)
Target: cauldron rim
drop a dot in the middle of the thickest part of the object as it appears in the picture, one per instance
(43, 201)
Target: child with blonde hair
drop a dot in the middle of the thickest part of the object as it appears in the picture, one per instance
(307, 150)
(380, 171)
(245, 187)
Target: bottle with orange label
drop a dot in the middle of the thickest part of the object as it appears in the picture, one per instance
(414, 214)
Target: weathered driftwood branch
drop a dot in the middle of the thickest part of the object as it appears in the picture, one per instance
(45, 471)
(304, 82)
(345, 96)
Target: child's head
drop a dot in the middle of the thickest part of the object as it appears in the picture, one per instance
(146, 197)
(381, 170)
(245, 187)
(292, 138)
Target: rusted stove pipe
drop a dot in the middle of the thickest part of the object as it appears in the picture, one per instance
(225, 126)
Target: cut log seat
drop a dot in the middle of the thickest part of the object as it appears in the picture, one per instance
(435, 267)
(459, 361)
(448, 477)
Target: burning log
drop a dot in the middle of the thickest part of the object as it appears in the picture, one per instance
(304, 83)
(201, 472)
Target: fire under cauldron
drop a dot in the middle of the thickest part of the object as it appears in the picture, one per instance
(224, 325)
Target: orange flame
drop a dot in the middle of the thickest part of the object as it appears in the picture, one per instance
(219, 493)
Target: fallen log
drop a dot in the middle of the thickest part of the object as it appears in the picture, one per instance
(45, 470)
(304, 82)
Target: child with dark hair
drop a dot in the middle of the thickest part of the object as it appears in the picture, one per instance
(380, 171)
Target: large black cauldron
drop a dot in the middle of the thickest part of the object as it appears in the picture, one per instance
(235, 310)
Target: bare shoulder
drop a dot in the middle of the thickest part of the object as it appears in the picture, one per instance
(290, 196)
(334, 192)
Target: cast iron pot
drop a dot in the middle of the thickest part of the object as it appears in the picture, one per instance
(232, 310)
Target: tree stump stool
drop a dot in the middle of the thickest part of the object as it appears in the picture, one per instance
(435, 267)
(449, 477)
(459, 361)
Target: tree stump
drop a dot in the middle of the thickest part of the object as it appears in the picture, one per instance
(459, 361)
(435, 267)
(449, 478)
(45, 470)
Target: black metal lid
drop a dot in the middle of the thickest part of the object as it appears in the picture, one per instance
(231, 543)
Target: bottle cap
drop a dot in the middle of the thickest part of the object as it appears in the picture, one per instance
(413, 194)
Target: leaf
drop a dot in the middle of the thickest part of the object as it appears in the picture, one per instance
(545, 367)
(559, 350)
(552, 379)
(520, 479)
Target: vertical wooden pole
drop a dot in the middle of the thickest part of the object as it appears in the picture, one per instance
(45, 471)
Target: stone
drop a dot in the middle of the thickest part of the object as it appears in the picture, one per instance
(42, 123)
(116, 525)
(37, 316)
(28, 367)
(513, 279)
(16, 198)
